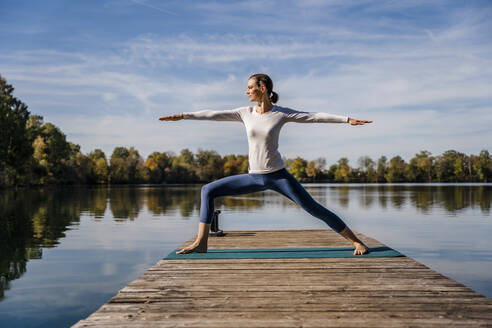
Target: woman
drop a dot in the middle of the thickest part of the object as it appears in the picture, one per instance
(266, 168)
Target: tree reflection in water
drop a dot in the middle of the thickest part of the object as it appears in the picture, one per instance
(31, 220)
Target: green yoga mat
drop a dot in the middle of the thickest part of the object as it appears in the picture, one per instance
(283, 253)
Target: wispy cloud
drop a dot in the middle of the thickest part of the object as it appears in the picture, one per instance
(149, 5)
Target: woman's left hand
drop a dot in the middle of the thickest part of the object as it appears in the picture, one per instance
(353, 121)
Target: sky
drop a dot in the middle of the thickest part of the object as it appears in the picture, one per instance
(103, 71)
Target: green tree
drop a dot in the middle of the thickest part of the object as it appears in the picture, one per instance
(186, 159)
(460, 168)
(381, 169)
(420, 167)
(119, 172)
(79, 169)
(425, 164)
(34, 126)
(183, 167)
(126, 166)
(448, 165)
(179, 172)
(366, 165)
(330, 174)
(57, 150)
(412, 171)
(396, 170)
(210, 165)
(52, 156)
(483, 166)
(15, 146)
(136, 167)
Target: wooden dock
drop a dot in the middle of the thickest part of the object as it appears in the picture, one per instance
(302, 292)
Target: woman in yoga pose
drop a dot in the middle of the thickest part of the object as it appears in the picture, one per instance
(266, 169)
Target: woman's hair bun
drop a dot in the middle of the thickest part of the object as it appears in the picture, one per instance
(274, 97)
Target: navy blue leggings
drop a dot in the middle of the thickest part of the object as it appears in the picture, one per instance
(281, 181)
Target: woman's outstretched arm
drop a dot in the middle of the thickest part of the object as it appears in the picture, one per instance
(213, 115)
(176, 117)
(313, 117)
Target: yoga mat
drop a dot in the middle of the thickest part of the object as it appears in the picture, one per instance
(283, 253)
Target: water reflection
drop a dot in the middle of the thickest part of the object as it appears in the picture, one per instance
(125, 203)
(162, 200)
(31, 220)
(451, 198)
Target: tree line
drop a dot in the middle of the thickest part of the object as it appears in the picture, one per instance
(34, 152)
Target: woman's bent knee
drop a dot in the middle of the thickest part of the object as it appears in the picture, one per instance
(207, 189)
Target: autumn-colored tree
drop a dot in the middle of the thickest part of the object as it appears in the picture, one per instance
(342, 174)
(314, 169)
(311, 171)
(235, 164)
(298, 168)
(159, 167)
(99, 166)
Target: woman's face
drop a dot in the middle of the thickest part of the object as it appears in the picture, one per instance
(253, 91)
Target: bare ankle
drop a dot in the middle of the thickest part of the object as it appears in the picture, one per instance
(200, 242)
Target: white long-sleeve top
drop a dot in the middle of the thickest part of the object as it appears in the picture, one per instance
(263, 130)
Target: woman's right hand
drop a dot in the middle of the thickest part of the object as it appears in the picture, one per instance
(353, 121)
(176, 117)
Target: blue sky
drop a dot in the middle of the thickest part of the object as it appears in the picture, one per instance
(104, 71)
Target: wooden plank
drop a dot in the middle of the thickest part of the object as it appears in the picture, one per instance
(285, 319)
(307, 292)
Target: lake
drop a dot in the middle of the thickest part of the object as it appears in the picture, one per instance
(65, 251)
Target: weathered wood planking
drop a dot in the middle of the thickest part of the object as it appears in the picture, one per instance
(305, 292)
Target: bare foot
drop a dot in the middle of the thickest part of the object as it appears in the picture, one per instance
(360, 249)
(194, 248)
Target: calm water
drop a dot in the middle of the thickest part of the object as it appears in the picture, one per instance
(66, 251)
